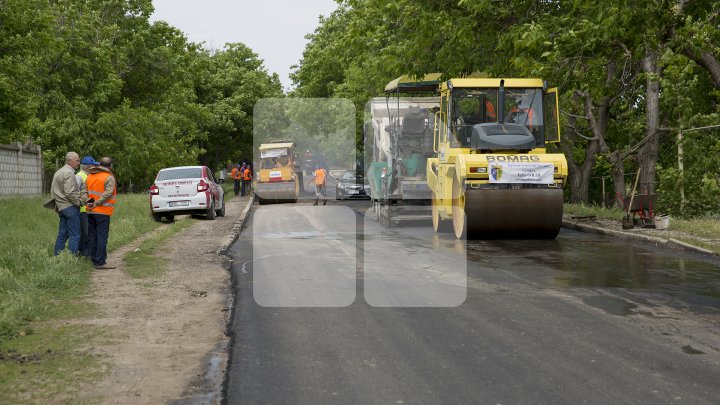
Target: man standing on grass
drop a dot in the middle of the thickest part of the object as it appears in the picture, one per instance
(85, 164)
(101, 190)
(66, 200)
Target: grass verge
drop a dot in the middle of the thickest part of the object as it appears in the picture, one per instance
(50, 365)
(142, 263)
(703, 232)
(37, 289)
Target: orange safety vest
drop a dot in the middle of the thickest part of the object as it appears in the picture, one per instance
(235, 173)
(246, 174)
(320, 177)
(96, 188)
(490, 110)
(530, 112)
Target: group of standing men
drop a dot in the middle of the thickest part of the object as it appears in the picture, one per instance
(84, 202)
(242, 177)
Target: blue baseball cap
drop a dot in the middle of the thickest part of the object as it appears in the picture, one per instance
(88, 160)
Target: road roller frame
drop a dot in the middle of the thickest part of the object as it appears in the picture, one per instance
(491, 176)
(279, 177)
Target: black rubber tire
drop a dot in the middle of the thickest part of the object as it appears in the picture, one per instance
(156, 217)
(211, 211)
(221, 211)
(170, 217)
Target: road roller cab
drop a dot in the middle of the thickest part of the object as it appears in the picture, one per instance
(491, 176)
(277, 179)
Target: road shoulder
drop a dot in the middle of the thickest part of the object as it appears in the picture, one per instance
(172, 343)
(672, 239)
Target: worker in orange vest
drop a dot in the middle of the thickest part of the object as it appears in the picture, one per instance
(236, 175)
(100, 188)
(246, 177)
(319, 175)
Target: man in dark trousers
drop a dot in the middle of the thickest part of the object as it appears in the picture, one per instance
(66, 201)
(236, 176)
(85, 164)
(101, 191)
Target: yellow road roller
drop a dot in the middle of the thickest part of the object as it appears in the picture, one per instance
(491, 176)
(277, 179)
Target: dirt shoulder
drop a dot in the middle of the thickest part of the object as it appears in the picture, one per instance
(171, 342)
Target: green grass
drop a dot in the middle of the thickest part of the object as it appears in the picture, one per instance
(703, 232)
(142, 263)
(38, 289)
(229, 190)
(703, 227)
(33, 282)
(50, 365)
(600, 213)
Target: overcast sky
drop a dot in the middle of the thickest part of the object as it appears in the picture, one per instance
(274, 29)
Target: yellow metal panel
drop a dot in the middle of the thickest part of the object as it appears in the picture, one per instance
(556, 107)
(495, 83)
(268, 146)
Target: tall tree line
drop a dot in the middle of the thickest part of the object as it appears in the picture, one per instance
(631, 75)
(99, 78)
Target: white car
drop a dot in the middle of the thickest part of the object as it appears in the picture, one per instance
(186, 190)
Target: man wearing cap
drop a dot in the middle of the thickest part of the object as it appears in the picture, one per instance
(101, 190)
(85, 164)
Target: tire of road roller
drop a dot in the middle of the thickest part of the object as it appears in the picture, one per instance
(459, 220)
(439, 225)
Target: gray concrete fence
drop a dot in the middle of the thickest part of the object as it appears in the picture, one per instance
(21, 170)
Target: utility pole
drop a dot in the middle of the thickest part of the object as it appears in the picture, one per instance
(681, 169)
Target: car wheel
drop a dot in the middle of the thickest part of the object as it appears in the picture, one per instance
(211, 211)
(170, 217)
(156, 217)
(221, 211)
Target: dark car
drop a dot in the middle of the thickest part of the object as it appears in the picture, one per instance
(352, 184)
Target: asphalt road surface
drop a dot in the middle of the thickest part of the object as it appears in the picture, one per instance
(333, 308)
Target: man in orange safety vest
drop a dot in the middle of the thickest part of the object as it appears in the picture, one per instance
(100, 188)
(320, 176)
(246, 177)
(236, 175)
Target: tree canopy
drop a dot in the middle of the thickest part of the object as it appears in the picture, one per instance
(101, 79)
(631, 76)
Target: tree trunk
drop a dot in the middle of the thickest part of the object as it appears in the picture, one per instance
(707, 60)
(648, 154)
(580, 174)
(618, 175)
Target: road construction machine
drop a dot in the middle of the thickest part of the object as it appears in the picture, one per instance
(492, 176)
(279, 177)
(398, 142)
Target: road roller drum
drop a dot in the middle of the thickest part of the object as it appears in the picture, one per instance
(528, 213)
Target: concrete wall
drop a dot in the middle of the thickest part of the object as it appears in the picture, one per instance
(21, 170)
